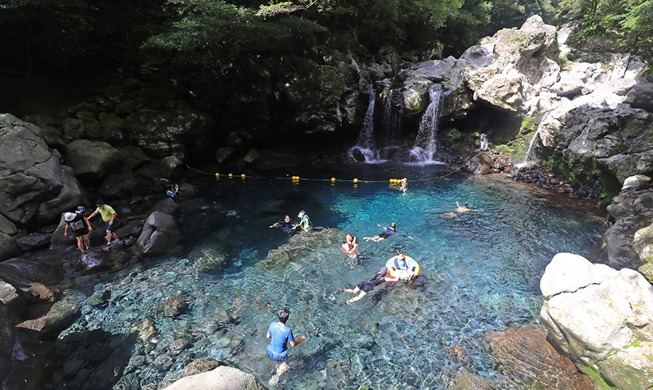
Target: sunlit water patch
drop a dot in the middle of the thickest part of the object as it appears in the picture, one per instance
(481, 272)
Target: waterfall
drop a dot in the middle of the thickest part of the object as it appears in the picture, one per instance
(426, 142)
(528, 158)
(484, 141)
(393, 114)
(366, 136)
(364, 150)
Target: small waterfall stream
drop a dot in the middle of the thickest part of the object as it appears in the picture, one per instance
(393, 114)
(365, 144)
(426, 142)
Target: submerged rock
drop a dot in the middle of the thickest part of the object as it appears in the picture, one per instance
(528, 358)
(302, 243)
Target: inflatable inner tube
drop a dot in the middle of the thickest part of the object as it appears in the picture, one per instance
(405, 275)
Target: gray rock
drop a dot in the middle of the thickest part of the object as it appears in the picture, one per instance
(92, 160)
(33, 242)
(603, 318)
(641, 96)
(221, 378)
(172, 167)
(36, 188)
(8, 247)
(159, 235)
(6, 226)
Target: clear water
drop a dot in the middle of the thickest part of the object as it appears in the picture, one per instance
(480, 273)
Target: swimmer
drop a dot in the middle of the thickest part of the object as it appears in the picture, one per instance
(350, 246)
(364, 287)
(286, 224)
(387, 232)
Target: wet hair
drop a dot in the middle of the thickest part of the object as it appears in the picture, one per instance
(283, 315)
(399, 252)
(466, 204)
(393, 225)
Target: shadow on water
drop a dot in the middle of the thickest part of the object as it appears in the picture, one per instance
(481, 273)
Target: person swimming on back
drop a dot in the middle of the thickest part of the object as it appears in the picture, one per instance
(387, 232)
(364, 287)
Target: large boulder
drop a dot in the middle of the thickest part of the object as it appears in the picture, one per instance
(92, 160)
(602, 317)
(630, 214)
(159, 235)
(8, 247)
(222, 378)
(36, 187)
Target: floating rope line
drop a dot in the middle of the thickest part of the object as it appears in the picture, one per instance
(400, 184)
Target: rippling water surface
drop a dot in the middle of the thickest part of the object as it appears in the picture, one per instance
(480, 273)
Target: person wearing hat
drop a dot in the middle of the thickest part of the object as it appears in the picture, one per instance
(108, 216)
(80, 227)
(304, 223)
(366, 286)
(280, 335)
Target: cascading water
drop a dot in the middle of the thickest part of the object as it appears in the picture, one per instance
(426, 142)
(393, 114)
(365, 146)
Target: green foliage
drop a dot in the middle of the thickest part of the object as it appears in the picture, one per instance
(628, 24)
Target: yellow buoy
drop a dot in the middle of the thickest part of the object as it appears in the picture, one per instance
(242, 175)
(333, 180)
(231, 175)
(217, 175)
(355, 180)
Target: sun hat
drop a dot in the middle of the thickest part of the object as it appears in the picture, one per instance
(69, 217)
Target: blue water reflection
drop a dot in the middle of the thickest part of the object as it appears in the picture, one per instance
(481, 272)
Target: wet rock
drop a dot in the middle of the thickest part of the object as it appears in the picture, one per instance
(198, 366)
(32, 242)
(163, 362)
(159, 235)
(302, 243)
(146, 330)
(221, 378)
(210, 257)
(31, 276)
(465, 380)
(173, 305)
(51, 318)
(179, 345)
(97, 352)
(481, 164)
(168, 206)
(528, 358)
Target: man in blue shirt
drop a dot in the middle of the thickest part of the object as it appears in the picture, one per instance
(280, 335)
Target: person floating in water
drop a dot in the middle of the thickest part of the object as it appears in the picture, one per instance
(286, 224)
(173, 191)
(304, 222)
(364, 287)
(387, 232)
(400, 267)
(280, 335)
(350, 246)
(460, 209)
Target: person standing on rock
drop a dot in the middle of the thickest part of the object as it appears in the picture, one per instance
(108, 216)
(80, 227)
(280, 335)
